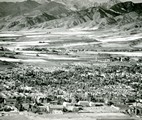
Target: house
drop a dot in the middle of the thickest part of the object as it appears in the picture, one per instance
(136, 109)
(66, 104)
(26, 89)
(121, 107)
(25, 106)
(99, 99)
(53, 108)
(54, 102)
(83, 103)
(57, 112)
(42, 109)
(42, 99)
(91, 104)
(33, 107)
(10, 102)
(2, 101)
(72, 108)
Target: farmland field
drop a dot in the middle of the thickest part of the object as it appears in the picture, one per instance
(55, 48)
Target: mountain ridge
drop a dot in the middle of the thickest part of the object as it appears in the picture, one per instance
(118, 14)
(18, 8)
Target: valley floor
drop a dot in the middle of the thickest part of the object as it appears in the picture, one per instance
(57, 47)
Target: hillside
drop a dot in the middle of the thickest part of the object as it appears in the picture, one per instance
(44, 16)
(100, 17)
(18, 8)
(108, 4)
(80, 17)
(127, 7)
(20, 22)
(82, 4)
(53, 8)
(32, 16)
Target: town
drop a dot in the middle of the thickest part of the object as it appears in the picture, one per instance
(39, 91)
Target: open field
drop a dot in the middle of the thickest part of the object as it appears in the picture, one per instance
(57, 48)
(70, 116)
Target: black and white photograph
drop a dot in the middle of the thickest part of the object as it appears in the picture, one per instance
(70, 59)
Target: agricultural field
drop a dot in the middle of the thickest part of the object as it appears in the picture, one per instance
(55, 48)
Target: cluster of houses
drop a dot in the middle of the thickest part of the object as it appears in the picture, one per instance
(42, 104)
(65, 107)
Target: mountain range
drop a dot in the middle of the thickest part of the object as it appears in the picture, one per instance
(51, 14)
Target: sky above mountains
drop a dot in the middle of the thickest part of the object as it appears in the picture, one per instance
(57, 0)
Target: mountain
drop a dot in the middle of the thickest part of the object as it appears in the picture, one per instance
(93, 15)
(54, 8)
(18, 8)
(57, 15)
(119, 14)
(84, 4)
(28, 15)
(127, 7)
(109, 3)
(77, 4)
(21, 22)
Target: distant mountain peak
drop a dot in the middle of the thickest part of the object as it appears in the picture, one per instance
(53, 14)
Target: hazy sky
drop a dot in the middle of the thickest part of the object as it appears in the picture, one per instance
(57, 0)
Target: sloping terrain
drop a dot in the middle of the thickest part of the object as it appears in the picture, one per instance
(29, 17)
(127, 7)
(77, 4)
(18, 8)
(21, 22)
(44, 16)
(53, 8)
(100, 17)
(83, 4)
(109, 3)
(94, 15)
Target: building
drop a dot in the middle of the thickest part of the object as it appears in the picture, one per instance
(72, 109)
(91, 104)
(2, 100)
(66, 104)
(25, 106)
(25, 89)
(57, 112)
(121, 107)
(54, 102)
(42, 109)
(136, 109)
(55, 108)
(83, 103)
(10, 102)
